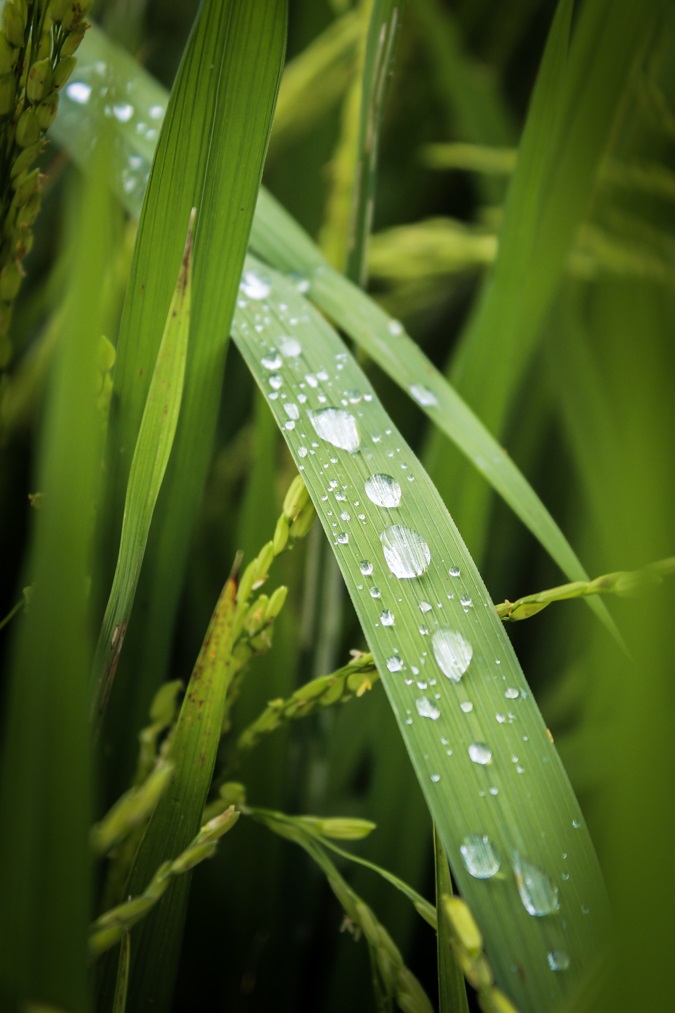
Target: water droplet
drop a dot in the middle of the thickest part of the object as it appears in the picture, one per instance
(424, 606)
(452, 652)
(345, 515)
(480, 856)
(511, 693)
(79, 91)
(454, 571)
(406, 553)
(375, 592)
(123, 111)
(395, 327)
(366, 567)
(426, 708)
(354, 396)
(302, 451)
(466, 706)
(465, 601)
(558, 960)
(383, 491)
(337, 427)
(254, 287)
(424, 630)
(480, 752)
(272, 361)
(289, 347)
(435, 778)
(343, 538)
(156, 112)
(292, 410)
(394, 664)
(423, 395)
(276, 381)
(387, 618)
(537, 890)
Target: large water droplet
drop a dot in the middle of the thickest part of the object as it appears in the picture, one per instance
(537, 890)
(337, 427)
(79, 92)
(511, 693)
(452, 652)
(383, 491)
(123, 111)
(480, 856)
(292, 410)
(426, 708)
(406, 553)
(424, 606)
(394, 664)
(254, 287)
(558, 960)
(387, 618)
(289, 347)
(271, 361)
(423, 395)
(480, 752)
(454, 571)
(366, 567)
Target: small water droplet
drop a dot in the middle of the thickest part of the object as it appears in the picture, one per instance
(375, 592)
(435, 778)
(343, 538)
(558, 960)
(123, 111)
(387, 618)
(276, 381)
(537, 890)
(302, 451)
(480, 752)
(337, 427)
(481, 858)
(292, 410)
(394, 664)
(465, 601)
(454, 571)
(406, 553)
(424, 606)
(366, 567)
(426, 708)
(254, 287)
(395, 327)
(423, 395)
(424, 630)
(272, 361)
(466, 706)
(452, 652)
(289, 347)
(511, 693)
(79, 91)
(383, 491)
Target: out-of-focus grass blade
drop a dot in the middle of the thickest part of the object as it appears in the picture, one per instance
(122, 983)
(178, 815)
(280, 240)
(452, 996)
(475, 737)
(46, 786)
(581, 84)
(151, 456)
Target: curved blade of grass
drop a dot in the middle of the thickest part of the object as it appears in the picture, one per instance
(452, 996)
(278, 239)
(151, 457)
(46, 783)
(521, 799)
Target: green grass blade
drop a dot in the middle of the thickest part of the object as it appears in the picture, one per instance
(151, 457)
(521, 798)
(46, 783)
(452, 996)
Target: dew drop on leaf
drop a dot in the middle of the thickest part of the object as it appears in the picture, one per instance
(426, 708)
(271, 361)
(454, 571)
(452, 652)
(366, 567)
(387, 618)
(558, 960)
(406, 553)
(480, 752)
(337, 427)
(254, 287)
(538, 892)
(383, 491)
(292, 410)
(423, 395)
(394, 664)
(480, 856)
(289, 347)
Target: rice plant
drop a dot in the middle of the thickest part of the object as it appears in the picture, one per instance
(274, 734)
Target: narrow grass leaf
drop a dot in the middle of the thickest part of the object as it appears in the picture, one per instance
(46, 781)
(452, 996)
(148, 467)
(481, 752)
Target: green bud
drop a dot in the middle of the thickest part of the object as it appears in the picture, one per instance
(276, 603)
(45, 48)
(58, 8)
(193, 856)
(7, 94)
(463, 925)
(39, 80)
(25, 160)
(339, 829)
(105, 355)
(8, 55)
(280, 535)
(14, 24)
(26, 216)
(246, 582)
(476, 970)
(366, 920)
(296, 498)
(72, 43)
(46, 112)
(28, 129)
(232, 793)
(74, 16)
(263, 563)
(131, 810)
(25, 187)
(164, 706)
(303, 522)
(10, 281)
(494, 1001)
(219, 825)
(63, 70)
